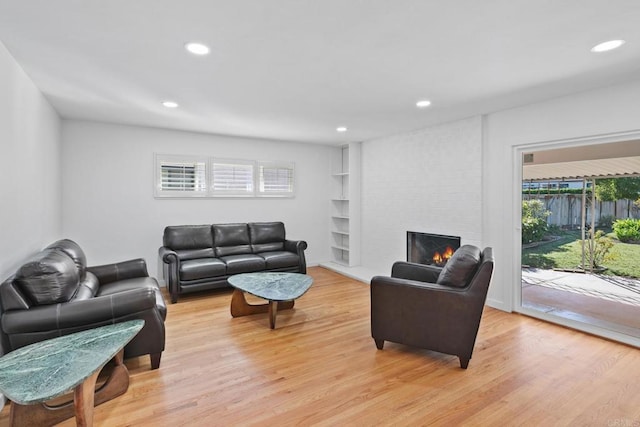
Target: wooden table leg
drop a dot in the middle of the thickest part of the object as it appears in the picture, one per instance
(240, 307)
(273, 310)
(83, 396)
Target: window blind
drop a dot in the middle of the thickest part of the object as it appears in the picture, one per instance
(232, 178)
(276, 179)
(183, 176)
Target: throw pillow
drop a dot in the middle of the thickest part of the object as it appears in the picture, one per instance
(48, 278)
(461, 267)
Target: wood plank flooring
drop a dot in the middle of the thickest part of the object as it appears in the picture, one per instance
(321, 367)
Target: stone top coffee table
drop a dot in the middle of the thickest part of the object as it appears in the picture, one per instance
(280, 289)
(32, 375)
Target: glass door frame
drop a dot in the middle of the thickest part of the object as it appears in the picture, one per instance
(518, 152)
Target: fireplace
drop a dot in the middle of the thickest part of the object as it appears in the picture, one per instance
(434, 249)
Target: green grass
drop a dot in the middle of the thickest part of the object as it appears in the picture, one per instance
(624, 259)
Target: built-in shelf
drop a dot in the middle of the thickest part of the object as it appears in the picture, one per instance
(345, 209)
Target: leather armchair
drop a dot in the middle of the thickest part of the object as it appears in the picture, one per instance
(55, 294)
(431, 307)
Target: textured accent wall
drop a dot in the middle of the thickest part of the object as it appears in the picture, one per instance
(428, 180)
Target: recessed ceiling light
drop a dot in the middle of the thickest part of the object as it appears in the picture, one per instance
(423, 103)
(197, 48)
(341, 129)
(607, 46)
(170, 104)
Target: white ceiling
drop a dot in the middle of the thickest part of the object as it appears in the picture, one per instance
(297, 69)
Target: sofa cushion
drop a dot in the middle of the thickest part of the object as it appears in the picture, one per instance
(231, 239)
(186, 254)
(73, 251)
(461, 267)
(280, 259)
(245, 263)
(49, 277)
(202, 268)
(266, 236)
(179, 237)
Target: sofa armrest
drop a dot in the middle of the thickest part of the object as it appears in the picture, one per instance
(168, 255)
(79, 314)
(413, 271)
(172, 261)
(297, 247)
(120, 271)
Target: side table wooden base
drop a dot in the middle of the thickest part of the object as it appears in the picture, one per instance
(240, 307)
(85, 397)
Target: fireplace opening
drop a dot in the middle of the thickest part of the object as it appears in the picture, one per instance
(430, 249)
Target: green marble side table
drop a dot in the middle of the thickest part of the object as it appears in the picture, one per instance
(32, 375)
(280, 289)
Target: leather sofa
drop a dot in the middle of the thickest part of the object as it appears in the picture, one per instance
(202, 257)
(55, 293)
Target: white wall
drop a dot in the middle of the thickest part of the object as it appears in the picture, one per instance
(108, 182)
(427, 181)
(596, 113)
(30, 216)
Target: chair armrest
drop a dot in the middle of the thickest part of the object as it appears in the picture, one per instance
(81, 314)
(413, 271)
(416, 284)
(120, 271)
(392, 295)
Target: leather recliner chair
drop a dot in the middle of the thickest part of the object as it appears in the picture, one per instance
(435, 308)
(55, 294)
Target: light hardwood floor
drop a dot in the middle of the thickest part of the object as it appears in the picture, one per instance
(321, 367)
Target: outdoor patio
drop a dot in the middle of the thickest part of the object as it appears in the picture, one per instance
(607, 301)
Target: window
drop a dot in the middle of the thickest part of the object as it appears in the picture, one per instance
(232, 177)
(275, 179)
(197, 176)
(180, 176)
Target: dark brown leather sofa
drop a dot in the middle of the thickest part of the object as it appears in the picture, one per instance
(55, 293)
(202, 257)
(432, 307)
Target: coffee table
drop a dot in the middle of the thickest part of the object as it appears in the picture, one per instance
(280, 289)
(32, 375)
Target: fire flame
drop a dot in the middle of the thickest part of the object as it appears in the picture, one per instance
(437, 258)
(441, 259)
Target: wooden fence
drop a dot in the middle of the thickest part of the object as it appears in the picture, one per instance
(566, 209)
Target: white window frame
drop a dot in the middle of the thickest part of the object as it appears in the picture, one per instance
(207, 185)
(200, 189)
(287, 191)
(235, 190)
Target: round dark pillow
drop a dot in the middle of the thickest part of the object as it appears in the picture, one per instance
(461, 267)
(74, 251)
(49, 277)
